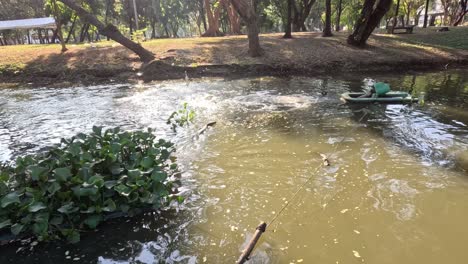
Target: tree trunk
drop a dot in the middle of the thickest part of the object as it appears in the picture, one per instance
(153, 29)
(395, 18)
(72, 28)
(108, 4)
(327, 32)
(84, 29)
(407, 22)
(338, 16)
(301, 13)
(463, 10)
(425, 13)
(213, 20)
(416, 18)
(59, 27)
(287, 31)
(246, 10)
(368, 20)
(39, 35)
(202, 14)
(234, 20)
(459, 19)
(111, 31)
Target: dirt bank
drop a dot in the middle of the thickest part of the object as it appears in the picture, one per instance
(307, 53)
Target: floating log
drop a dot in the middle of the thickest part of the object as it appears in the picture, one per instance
(248, 250)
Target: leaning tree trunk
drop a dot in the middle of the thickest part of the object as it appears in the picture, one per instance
(327, 32)
(287, 31)
(463, 10)
(368, 20)
(110, 31)
(246, 10)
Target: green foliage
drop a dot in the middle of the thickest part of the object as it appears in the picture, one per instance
(181, 117)
(80, 182)
(139, 35)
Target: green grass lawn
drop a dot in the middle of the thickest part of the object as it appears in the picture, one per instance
(455, 38)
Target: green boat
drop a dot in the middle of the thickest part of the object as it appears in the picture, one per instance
(380, 94)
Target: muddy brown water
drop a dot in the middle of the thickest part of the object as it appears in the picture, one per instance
(396, 190)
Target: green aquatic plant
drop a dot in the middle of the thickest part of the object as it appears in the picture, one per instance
(82, 181)
(181, 118)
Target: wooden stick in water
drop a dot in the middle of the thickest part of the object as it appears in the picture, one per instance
(210, 124)
(250, 247)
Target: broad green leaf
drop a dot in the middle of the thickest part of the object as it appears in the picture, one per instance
(123, 190)
(27, 219)
(115, 169)
(110, 184)
(68, 208)
(147, 162)
(36, 172)
(81, 136)
(62, 174)
(133, 197)
(53, 188)
(97, 130)
(84, 172)
(94, 181)
(16, 229)
(134, 174)
(73, 236)
(109, 206)
(159, 176)
(124, 208)
(74, 149)
(85, 192)
(36, 206)
(3, 188)
(56, 220)
(10, 199)
(40, 227)
(140, 183)
(90, 210)
(93, 220)
(86, 156)
(115, 147)
(5, 223)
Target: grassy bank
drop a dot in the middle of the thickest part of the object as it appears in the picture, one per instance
(306, 53)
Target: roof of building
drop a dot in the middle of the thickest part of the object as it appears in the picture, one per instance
(44, 22)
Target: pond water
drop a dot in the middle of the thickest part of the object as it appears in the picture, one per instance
(396, 190)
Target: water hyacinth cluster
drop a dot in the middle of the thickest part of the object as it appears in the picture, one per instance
(80, 182)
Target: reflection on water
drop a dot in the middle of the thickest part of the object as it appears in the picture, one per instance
(395, 191)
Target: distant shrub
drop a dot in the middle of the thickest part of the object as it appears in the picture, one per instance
(80, 182)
